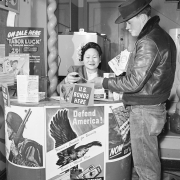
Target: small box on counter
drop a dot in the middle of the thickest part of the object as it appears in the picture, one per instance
(99, 94)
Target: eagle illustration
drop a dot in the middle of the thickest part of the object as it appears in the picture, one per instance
(62, 132)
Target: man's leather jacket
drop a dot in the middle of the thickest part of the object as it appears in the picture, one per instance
(151, 68)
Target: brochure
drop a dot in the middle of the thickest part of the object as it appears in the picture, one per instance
(28, 88)
(119, 63)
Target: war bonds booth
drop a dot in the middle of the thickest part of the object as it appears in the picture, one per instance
(80, 133)
(51, 130)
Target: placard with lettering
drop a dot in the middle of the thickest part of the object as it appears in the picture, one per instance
(27, 40)
(77, 94)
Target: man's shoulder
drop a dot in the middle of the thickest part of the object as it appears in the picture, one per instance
(157, 37)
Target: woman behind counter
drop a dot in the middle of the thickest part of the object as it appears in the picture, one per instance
(90, 54)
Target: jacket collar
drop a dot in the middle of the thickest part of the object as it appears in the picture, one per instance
(151, 23)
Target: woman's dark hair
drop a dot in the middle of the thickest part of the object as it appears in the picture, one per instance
(88, 46)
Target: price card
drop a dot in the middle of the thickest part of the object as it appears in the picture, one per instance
(28, 88)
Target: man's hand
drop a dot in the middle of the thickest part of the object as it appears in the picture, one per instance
(97, 82)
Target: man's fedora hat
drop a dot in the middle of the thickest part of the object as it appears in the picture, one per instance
(130, 8)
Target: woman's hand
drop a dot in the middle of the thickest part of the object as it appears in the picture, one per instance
(72, 77)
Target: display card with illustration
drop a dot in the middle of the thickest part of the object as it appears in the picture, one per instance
(18, 64)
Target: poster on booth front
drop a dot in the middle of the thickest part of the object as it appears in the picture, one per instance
(24, 135)
(27, 40)
(118, 162)
(75, 139)
(119, 132)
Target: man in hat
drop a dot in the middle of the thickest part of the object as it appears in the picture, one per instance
(26, 152)
(146, 85)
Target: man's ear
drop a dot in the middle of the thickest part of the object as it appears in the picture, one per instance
(144, 18)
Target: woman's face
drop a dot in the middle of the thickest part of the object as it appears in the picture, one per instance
(91, 59)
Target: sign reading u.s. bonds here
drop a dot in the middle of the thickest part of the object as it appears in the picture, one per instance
(77, 94)
(81, 95)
